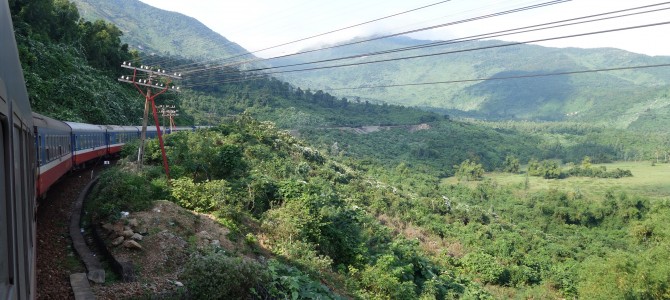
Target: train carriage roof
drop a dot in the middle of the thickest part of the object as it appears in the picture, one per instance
(83, 127)
(150, 128)
(42, 121)
(117, 128)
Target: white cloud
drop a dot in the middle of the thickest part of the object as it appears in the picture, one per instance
(258, 24)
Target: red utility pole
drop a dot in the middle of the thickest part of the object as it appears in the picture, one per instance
(149, 97)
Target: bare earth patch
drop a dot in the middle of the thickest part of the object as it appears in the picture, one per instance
(169, 234)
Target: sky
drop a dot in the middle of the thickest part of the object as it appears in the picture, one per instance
(260, 24)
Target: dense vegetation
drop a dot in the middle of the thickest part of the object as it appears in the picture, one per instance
(153, 30)
(626, 99)
(263, 184)
(399, 234)
(633, 99)
(368, 216)
(70, 65)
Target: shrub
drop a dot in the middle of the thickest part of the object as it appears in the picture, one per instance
(201, 197)
(486, 267)
(290, 283)
(469, 170)
(216, 276)
(120, 190)
(511, 164)
(384, 279)
(547, 169)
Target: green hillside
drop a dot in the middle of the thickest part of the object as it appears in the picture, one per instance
(616, 98)
(150, 29)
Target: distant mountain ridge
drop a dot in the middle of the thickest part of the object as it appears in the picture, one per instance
(152, 29)
(619, 98)
(637, 99)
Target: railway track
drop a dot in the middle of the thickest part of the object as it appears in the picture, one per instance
(56, 258)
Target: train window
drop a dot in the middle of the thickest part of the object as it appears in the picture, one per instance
(47, 146)
(39, 149)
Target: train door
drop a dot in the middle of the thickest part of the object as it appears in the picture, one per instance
(5, 229)
(21, 210)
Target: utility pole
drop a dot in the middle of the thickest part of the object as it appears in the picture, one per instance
(171, 114)
(165, 111)
(151, 82)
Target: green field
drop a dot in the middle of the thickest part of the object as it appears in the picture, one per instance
(649, 181)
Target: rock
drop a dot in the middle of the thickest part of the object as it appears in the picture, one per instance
(133, 222)
(130, 244)
(97, 276)
(107, 226)
(125, 228)
(216, 243)
(137, 237)
(118, 241)
(204, 235)
(179, 284)
(143, 231)
(118, 228)
(127, 233)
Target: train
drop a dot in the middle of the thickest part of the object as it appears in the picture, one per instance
(63, 146)
(36, 151)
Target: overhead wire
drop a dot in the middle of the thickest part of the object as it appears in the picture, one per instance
(343, 28)
(459, 51)
(339, 29)
(466, 20)
(502, 77)
(518, 30)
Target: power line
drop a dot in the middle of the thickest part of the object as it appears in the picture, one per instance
(502, 78)
(468, 50)
(458, 51)
(344, 28)
(549, 3)
(480, 36)
(340, 29)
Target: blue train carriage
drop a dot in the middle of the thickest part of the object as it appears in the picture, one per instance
(184, 128)
(17, 178)
(54, 151)
(88, 141)
(151, 131)
(118, 136)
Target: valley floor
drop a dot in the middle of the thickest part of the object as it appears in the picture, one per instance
(648, 180)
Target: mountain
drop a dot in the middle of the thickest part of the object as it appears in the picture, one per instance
(620, 98)
(155, 30)
(629, 99)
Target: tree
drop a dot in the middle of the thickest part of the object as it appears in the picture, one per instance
(469, 170)
(102, 44)
(511, 164)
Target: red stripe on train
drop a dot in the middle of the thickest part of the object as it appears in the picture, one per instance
(47, 179)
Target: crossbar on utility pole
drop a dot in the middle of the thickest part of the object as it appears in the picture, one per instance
(167, 111)
(171, 114)
(149, 97)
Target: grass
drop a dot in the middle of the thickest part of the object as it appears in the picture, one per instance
(649, 181)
